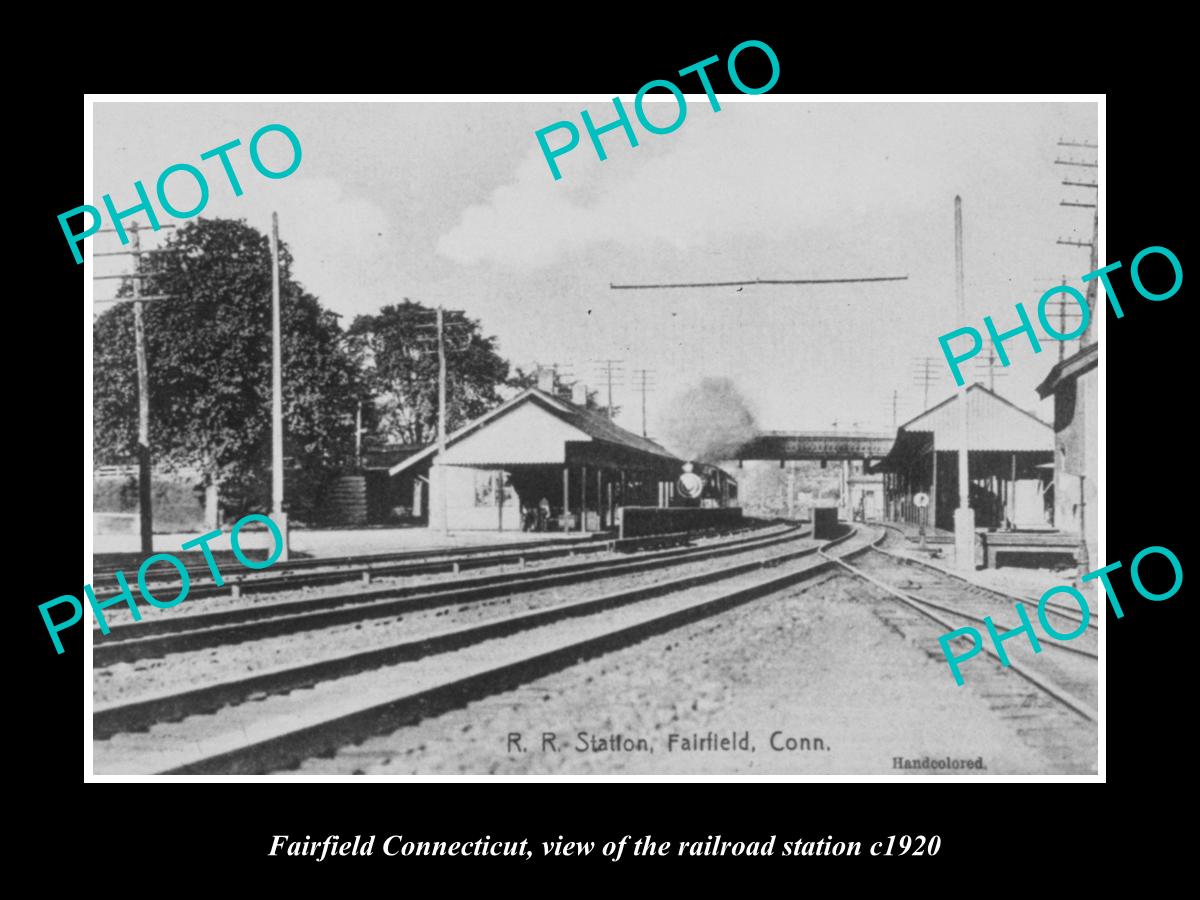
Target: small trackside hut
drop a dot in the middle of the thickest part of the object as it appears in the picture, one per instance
(1010, 456)
(538, 462)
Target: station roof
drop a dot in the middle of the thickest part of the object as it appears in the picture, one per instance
(534, 428)
(1069, 369)
(387, 455)
(994, 424)
(816, 445)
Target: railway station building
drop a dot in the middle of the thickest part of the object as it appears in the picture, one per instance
(1074, 383)
(498, 469)
(1010, 463)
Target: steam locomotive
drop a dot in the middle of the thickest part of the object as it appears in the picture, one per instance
(704, 486)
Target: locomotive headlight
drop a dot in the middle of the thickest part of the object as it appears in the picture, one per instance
(690, 485)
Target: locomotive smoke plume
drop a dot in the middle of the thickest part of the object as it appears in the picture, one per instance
(709, 422)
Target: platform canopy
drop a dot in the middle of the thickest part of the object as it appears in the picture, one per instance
(994, 424)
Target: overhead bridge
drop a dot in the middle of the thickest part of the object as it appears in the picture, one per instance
(804, 485)
(817, 445)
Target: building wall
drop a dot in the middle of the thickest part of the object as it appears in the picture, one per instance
(472, 501)
(525, 434)
(866, 496)
(1076, 439)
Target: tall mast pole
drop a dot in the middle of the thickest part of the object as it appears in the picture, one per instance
(964, 516)
(145, 508)
(441, 345)
(277, 390)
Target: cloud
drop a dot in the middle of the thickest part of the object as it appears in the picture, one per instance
(339, 241)
(728, 177)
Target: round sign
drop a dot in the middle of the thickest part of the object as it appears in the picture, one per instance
(921, 500)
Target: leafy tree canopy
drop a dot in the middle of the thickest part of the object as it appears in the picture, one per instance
(397, 349)
(209, 351)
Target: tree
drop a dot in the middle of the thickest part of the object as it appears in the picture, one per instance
(397, 349)
(562, 389)
(209, 352)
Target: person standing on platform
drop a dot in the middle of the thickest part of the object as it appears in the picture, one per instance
(543, 515)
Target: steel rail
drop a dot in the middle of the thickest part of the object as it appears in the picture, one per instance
(127, 642)
(1074, 704)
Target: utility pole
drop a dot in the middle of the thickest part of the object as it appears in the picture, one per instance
(645, 385)
(989, 364)
(145, 494)
(964, 516)
(1066, 307)
(358, 433)
(277, 513)
(441, 454)
(144, 461)
(1088, 336)
(437, 474)
(895, 399)
(926, 371)
(607, 372)
(1062, 320)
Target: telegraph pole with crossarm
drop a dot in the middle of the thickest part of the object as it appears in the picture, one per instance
(144, 461)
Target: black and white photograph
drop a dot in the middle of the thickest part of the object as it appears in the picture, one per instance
(486, 437)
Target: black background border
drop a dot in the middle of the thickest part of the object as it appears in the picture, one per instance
(1145, 353)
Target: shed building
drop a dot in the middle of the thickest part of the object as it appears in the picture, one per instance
(498, 469)
(1010, 451)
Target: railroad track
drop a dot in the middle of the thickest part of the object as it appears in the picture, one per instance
(319, 571)
(173, 631)
(1071, 613)
(275, 719)
(226, 559)
(1063, 699)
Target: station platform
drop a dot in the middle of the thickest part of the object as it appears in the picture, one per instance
(305, 542)
(932, 535)
(1018, 581)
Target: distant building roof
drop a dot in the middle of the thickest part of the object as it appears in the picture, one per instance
(582, 424)
(995, 424)
(1069, 369)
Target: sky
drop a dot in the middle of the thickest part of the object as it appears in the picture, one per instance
(453, 203)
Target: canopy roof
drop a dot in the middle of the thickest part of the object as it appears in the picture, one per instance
(994, 424)
(1069, 369)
